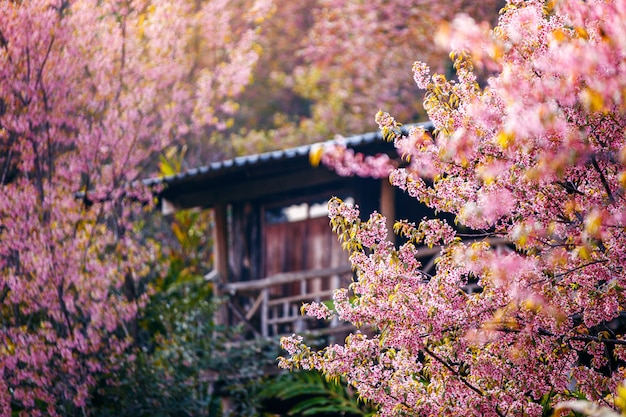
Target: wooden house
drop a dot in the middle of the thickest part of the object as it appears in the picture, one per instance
(274, 248)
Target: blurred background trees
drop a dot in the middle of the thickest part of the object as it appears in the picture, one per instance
(327, 66)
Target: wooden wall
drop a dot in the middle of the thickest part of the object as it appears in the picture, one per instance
(300, 246)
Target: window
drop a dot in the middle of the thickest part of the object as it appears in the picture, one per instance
(298, 212)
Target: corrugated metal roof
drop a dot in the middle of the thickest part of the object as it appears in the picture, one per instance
(251, 160)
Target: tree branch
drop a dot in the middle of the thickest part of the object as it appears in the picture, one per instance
(582, 338)
(605, 183)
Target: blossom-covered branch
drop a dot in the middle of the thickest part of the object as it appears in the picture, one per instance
(536, 156)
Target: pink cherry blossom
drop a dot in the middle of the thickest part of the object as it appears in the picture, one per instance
(526, 305)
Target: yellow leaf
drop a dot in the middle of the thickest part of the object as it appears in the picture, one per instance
(582, 32)
(559, 35)
(315, 155)
(10, 348)
(504, 139)
(622, 179)
(592, 100)
(593, 222)
(179, 233)
(583, 253)
(532, 305)
(522, 239)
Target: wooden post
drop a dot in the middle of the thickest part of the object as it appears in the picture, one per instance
(220, 258)
(220, 266)
(265, 332)
(388, 205)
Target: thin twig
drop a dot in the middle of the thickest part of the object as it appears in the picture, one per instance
(562, 274)
(454, 372)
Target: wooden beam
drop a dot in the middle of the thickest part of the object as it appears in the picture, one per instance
(313, 296)
(265, 329)
(255, 306)
(243, 318)
(388, 205)
(250, 189)
(285, 278)
(220, 257)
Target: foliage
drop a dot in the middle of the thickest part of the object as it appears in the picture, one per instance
(90, 93)
(308, 393)
(193, 365)
(182, 363)
(175, 377)
(536, 158)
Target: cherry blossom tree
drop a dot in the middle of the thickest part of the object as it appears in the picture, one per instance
(536, 158)
(90, 93)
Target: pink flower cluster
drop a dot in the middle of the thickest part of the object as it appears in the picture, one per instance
(346, 162)
(318, 310)
(421, 74)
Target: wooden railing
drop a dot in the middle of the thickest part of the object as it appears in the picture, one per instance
(271, 306)
(274, 302)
